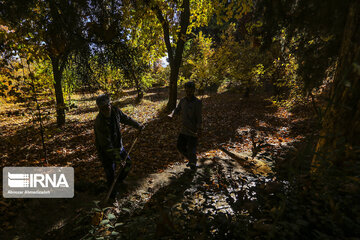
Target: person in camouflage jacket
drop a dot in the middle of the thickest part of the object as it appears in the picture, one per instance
(108, 138)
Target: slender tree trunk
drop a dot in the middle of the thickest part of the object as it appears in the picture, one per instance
(139, 90)
(339, 137)
(176, 61)
(40, 119)
(140, 93)
(174, 58)
(32, 84)
(60, 104)
(174, 72)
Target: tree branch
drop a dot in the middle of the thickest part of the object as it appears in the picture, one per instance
(166, 29)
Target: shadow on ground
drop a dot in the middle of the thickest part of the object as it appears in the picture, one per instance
(73, 145)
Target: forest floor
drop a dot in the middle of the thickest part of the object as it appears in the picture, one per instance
(244, 142)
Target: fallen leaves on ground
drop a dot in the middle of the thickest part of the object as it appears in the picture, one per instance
(240, 125)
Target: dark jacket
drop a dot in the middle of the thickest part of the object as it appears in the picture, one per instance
(108, 135)
(190, 110)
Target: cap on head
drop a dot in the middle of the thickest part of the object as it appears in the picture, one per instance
(190, 85)
(102, 100)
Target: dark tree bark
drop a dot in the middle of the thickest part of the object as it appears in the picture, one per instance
(175, 58)
(139, 91)
(339, 136)
(60, 104)
(175, 65)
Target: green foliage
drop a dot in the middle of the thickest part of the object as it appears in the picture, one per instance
(310, 30)
(161, 75)
(44, 30)
(44, 81)
(144, 32)
(289, 86)
(147, 80)
(197, 65)
(109, 79)
(200, 13)
(10, 87)
(238, 61)
(18, 85)
(227, 11)
(69, 83)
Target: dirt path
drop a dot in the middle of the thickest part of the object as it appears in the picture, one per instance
(162, 196)
(167, 203)
(183, 200)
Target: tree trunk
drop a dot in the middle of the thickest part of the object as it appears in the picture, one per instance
(60, 104)
(339, 138)
(140, 93)
(176, 61)
(174, 73)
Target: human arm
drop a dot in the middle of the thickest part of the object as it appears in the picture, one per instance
(177, 110)
(127, 120)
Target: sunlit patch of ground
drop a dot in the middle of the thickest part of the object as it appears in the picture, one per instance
(250, 129)
(176, 198)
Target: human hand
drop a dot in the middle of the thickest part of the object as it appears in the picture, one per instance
(171, 115)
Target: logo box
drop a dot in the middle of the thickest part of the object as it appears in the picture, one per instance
(38, 182)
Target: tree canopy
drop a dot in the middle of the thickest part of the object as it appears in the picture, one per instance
(278, 149)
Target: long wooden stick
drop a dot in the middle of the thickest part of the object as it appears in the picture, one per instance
(119, 172)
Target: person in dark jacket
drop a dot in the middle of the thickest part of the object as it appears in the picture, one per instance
(108, 139)
(190, 109)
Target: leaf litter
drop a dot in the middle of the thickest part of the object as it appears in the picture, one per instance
(160, 197)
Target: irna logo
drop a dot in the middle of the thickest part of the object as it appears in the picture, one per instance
(18, 180)
(38, 182)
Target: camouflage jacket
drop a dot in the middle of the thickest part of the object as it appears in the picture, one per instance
(108, 139)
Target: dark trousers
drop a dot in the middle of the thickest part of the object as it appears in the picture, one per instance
(187, 146)
(110, 168)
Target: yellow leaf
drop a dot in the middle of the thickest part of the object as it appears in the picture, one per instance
(97, 218)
